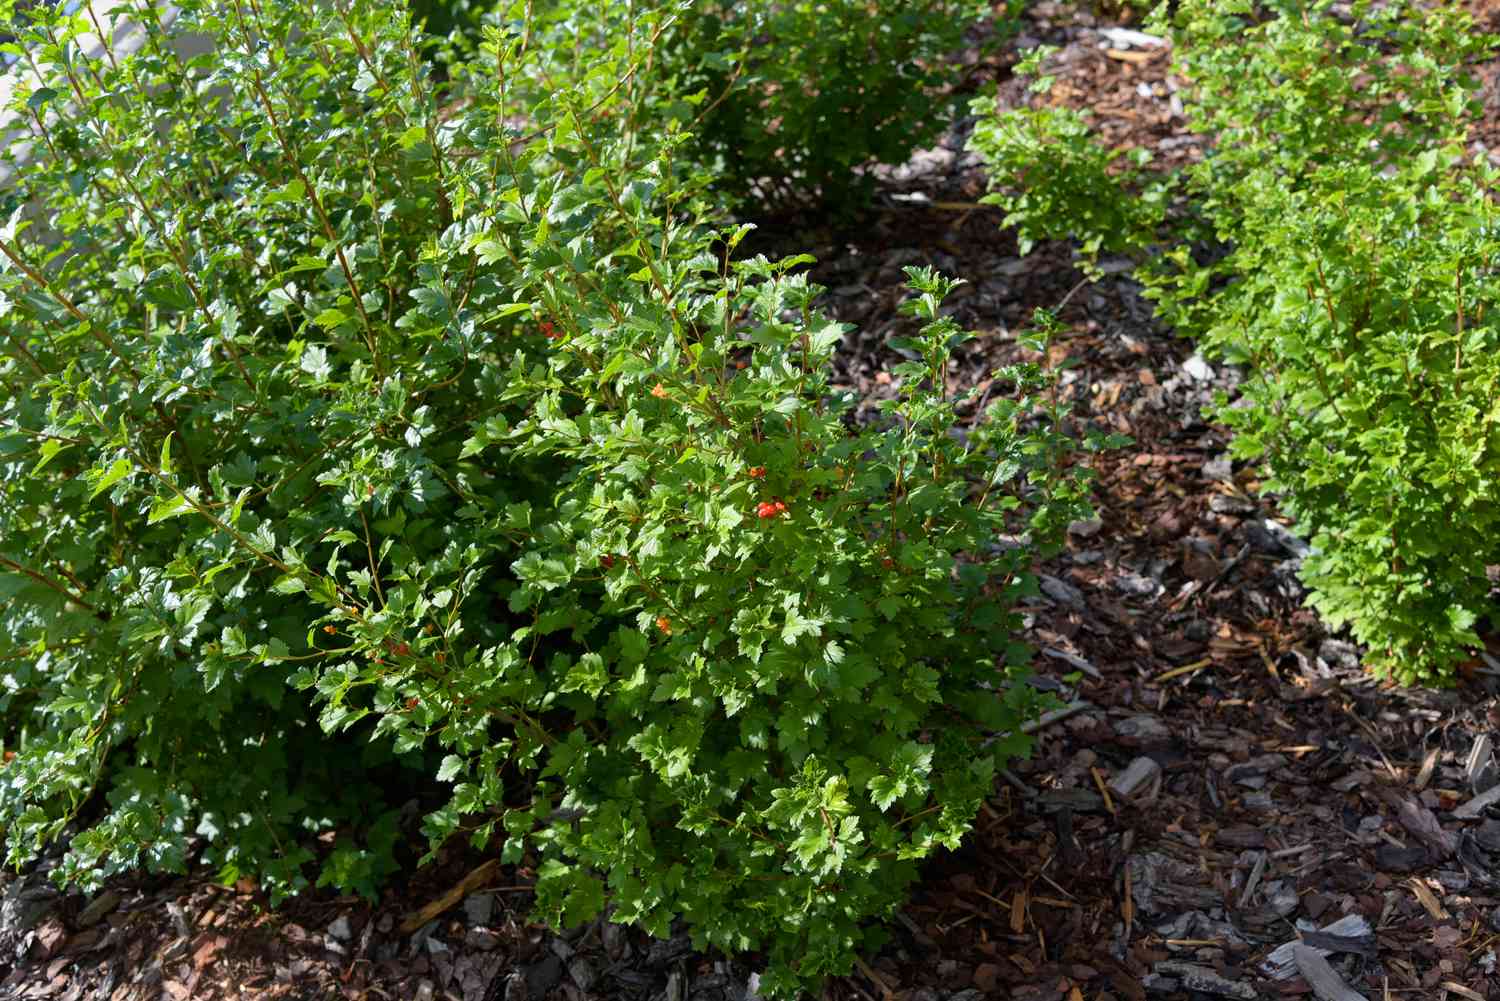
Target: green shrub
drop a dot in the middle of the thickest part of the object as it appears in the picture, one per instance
(797, 94)
(784, 99)
(465, 441)
(1355, 234)
(1065, 183)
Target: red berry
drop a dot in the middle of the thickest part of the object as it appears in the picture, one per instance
(607, 561)
(757, 472)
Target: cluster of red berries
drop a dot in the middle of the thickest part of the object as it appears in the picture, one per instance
(550, 330)
(757, 472)
(770, 509)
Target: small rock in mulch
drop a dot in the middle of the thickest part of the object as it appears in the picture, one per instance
(1062, 592)
(96, 909)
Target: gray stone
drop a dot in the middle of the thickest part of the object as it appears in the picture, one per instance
(341, 929)
(1230, 504)
(97, 908)
(1197, 369)
(26, 903)
(1086, 528)
(1062, 592)
(583, 972)
(1221, 469)
(542, 976)
(1136, 584)
(479, 907)
(1272, 537)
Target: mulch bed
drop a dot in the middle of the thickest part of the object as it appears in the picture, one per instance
(1226, 781)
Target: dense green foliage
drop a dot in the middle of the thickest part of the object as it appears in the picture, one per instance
(355, 425)
(1355, 235)
(799, 93)
(785, 99)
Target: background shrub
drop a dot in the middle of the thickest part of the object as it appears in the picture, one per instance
(361, 428)
(795, 95)
(1349, 234)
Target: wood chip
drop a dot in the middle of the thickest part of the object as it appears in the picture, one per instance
(1428, 901)
(1103, 789)
(1479, 769)
(875, 978)
(1201, 978)
(1364, 945)
(1325, 983)
(1018, 912)
(1256, 872)
(1281, 963)
(1073, 660)
(1423, 825)
(1429, 763)
(1143, 775)
(1476, 806)
(473, 881)
(1047, 719)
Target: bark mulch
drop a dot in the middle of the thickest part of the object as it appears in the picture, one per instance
(1229, 807)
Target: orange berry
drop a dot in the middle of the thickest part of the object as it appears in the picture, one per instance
(659, 391)
(664, 624)
(757, 472)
